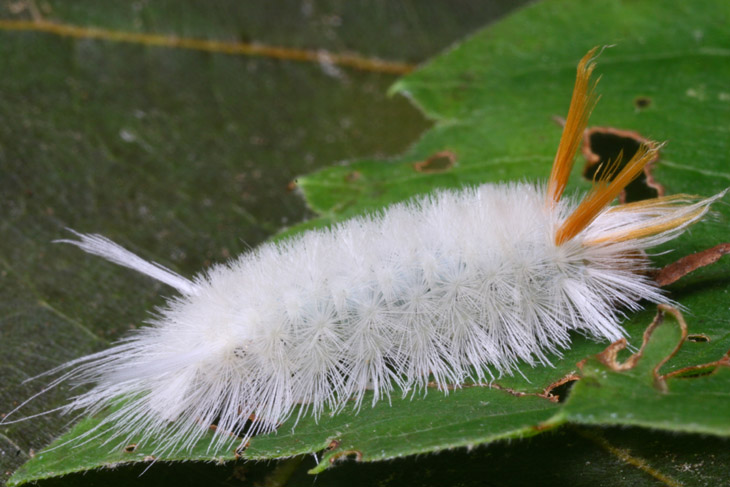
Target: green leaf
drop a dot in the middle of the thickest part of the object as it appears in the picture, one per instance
(492, 99)
(464, 418)
(639, 392)
(577, 456)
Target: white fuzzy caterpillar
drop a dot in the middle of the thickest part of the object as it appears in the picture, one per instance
(441, 289)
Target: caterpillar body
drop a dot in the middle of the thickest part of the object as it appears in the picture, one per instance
(454, 286)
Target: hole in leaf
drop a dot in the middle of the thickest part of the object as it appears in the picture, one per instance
(130, 448)
(694, 372)
(642, 102)
(698, 338)
(354, 454)
(601, 146)
(561, 391)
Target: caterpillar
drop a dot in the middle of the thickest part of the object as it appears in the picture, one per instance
(455, 286)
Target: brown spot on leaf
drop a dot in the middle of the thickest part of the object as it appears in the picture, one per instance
(130, 448)
(490, 385)
(291, 186)
(511, 391)
(675, 271)
(452, 387)
(353, 176)
(240, 449)
(604, 144)
(547, 425)
(333, 444)
(439, 162)
(609, 356)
